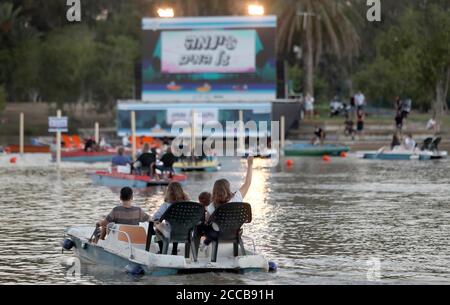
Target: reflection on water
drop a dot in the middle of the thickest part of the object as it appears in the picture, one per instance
(321, 222)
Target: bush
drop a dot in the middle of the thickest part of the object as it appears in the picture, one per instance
(2, 99)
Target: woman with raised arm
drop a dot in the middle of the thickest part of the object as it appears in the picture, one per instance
(222, 194)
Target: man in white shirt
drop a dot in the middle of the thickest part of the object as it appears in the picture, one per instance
(360, 100)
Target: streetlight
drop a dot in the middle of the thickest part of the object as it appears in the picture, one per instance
(255, 9)
(166, 12)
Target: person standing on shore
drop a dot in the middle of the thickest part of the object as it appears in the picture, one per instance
(309, 105)
(360, 122)
(360, 100)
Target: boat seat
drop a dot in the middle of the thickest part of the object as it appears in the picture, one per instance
(183, 218)
(229, 218)
(137, 234)
(426, 145)
(435, 143)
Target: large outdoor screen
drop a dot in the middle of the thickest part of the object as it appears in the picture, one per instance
(209, 59)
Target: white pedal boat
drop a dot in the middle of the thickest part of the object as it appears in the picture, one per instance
(124, 248)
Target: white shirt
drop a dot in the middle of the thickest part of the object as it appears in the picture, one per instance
(410, 144)
(125, 141)
(360, 99)
(431, 124)
(237, 197)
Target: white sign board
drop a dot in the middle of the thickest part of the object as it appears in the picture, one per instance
(56, 124)
(212, 51)
(185, 115)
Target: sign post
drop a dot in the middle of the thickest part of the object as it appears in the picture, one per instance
(58, 124)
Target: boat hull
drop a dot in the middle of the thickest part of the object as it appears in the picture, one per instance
(201, 166)
(422, 155)
(124, 256)
(133, 181)
(308, 150)
(87, 157)
(28, 148)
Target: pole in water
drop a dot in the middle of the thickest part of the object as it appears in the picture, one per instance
(21, 133)
(97, 133)
(58, 143)
(193, 122)
(282, 133)
(241, 130)
(133, 135)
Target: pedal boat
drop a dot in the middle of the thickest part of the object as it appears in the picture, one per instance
(129, 248)
(401, 154)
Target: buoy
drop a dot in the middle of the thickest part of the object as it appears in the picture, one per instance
(344, 154)
(134, 270)
(289, 163)
(326, 158)
(67, 244)
(273, 267)
(13, 160)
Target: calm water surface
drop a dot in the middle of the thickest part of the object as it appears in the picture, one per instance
(322, 223)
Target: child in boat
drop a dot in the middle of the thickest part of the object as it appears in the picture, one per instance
(205, 199)
(125, 213)
(174, 193)
(222, 194)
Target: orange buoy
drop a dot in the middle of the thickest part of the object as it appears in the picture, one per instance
(13, 160)
(289, 163)
(344, 154)
(326, 158)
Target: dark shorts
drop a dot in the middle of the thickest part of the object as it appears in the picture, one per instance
(360, 126)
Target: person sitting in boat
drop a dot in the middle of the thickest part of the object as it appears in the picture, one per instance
(396, 140)
(409, 142)
(121, 159)
(168, 159)
(90, 145)
(349, 129)
(319, 136)
(146, 160)
(205, 199)
(222, 194)
(125, 214)
(174, 193)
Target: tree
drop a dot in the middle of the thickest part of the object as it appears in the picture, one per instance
(319, 26)
(15, 34)
(2, 99)
(433, 41)
(412, 59)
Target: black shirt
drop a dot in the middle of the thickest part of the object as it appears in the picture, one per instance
(168, 159)
(318, 132)
(147, 159)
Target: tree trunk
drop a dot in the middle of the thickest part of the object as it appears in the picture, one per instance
(439, 105)
(308, 59)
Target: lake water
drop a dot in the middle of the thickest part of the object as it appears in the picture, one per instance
(322, 223)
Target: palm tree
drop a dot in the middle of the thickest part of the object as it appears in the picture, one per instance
(320, 26)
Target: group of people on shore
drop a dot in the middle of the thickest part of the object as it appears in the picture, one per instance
(221, 194)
